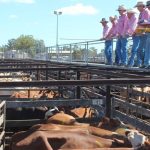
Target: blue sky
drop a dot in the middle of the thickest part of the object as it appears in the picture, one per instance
(79, 19)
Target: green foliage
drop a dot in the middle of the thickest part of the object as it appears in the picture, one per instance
(11, 44)
(80, 53)
(25, 43)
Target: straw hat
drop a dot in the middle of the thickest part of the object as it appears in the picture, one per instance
(121, 7)
(111, 18)
(140, 3)
(131, 11)
(103, 20)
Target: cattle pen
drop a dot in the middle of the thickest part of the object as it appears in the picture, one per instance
(112, 91)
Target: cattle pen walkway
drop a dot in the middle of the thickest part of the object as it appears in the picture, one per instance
(112, 91)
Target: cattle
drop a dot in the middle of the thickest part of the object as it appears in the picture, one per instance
(83, 112)
(80, 112)
(54, 140)
(113, 124)
(62, 131)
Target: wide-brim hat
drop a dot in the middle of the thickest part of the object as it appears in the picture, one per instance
(103, 20)
(140, 3)
(131, 11)
(113, 18)
(121, 7)
(148, 3)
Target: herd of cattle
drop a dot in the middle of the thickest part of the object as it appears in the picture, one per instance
(61, 131)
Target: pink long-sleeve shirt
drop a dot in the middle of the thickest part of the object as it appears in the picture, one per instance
(105, 31)
(144, 15)
(122, 25)
(113, 30)
(132, 24)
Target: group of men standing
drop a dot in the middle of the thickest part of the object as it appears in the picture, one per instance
(124, 27)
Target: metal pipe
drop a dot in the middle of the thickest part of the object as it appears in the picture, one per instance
(117, 81)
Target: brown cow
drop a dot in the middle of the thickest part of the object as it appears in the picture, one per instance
(113, 124)
(63, 119)
(81, 112)
(54, 140)
(72, 135)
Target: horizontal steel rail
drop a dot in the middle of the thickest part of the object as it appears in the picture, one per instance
(36, 69)
(138, 123)
(132, 91)
(117, 81)
(51, 103)
(138, 109)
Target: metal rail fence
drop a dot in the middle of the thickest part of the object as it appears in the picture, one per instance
(87, 51)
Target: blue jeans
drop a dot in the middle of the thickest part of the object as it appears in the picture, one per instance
(147, 51)
(141, 50)
(121, 50)
(108, 51)
(136, 41)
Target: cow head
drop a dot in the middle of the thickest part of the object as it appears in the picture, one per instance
(137, 139)
(108, 123)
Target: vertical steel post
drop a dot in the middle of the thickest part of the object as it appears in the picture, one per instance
(108, 101)
(70, 53)
(59, 88)
(78, 89)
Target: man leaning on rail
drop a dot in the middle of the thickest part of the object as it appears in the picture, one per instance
(121, 45)
(108, 42)
(113, 34)
(147, 48)
(131, 27)
(144, 16)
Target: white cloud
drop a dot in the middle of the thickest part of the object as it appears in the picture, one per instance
(25, 1)
(13, 16)
(4, 1)
(78, 9)
(18, 1)
(141, 0)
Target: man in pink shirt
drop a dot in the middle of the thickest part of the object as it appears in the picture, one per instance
(121, 45)
(113, 33)
(131, 27)
(108, 43)
(144, 16)
(147, 47)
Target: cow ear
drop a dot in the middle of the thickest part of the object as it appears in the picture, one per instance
(127, 132)
(147, 143)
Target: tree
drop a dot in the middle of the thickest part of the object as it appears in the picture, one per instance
(11, 44)
(92, 52)
(25, 43)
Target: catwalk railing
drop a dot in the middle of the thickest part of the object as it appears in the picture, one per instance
(87, 51)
